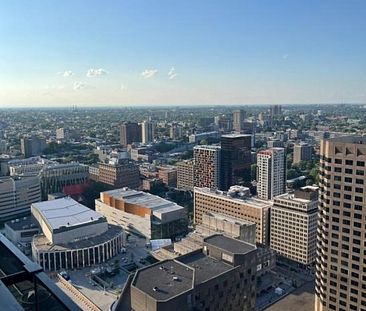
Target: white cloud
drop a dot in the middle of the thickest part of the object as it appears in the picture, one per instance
(94, 72)
(149, 73)
(79, 85)
(123, 87)
(68, 73)
(172, 74)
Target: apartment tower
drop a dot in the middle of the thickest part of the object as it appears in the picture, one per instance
(271, 173)
(341, 249)
(207, 166)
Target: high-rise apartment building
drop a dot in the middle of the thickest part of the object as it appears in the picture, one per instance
(294, 224)
(235, 159)
(185, 175)
(237, 203)
(238, 120)
(302, 152)
(124, 173)
(271, 173)
(341, 249)
(32, 146)
(16, 196)
(207, 165)
(147, 132)
(130, 132)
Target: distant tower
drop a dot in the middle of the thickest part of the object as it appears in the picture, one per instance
(147, 132)
(271, 171)
(130, 132)
(238, 120)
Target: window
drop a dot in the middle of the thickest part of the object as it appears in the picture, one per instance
(349, 162)
(338, 161)
(348, 171)
(360, 163)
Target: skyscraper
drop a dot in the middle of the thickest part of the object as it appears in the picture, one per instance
(271, 171)
(238, 120)
(235, 159)
(341, 248)
(130, 132)
(207, 166)
(147, 132)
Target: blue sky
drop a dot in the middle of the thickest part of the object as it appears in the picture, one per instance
(181, 52)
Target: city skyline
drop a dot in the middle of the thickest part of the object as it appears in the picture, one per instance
(135, 53)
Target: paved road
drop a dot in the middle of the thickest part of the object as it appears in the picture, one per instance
(302, 299)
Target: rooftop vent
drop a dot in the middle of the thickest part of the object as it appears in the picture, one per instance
(175, 278)
(155, 289)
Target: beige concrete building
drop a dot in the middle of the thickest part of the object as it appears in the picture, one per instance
(294, 223)
(220, 277)
(185, 175)
(143, 213)
(341, 250)
(236, 204)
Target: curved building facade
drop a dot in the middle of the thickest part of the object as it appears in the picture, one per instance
(77, 254)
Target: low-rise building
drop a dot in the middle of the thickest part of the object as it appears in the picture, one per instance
(73, 236)
(168, 175)
(222, 276)
(143, 213)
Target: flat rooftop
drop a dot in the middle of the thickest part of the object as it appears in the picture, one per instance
(247, 200)
(205, 267)
(235, 135)
(65, 212)
(361, 140)
(231, 245)
(161, 278)
(147, 200)
(23, 223)
(43, 244)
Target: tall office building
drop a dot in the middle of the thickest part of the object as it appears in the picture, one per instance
(235, 159)
(185, 175)
(207, 166)
(32, 146)
(271, 171)
(16, 196)
(130, 132)
(293, 225)
(238, 120)
(341, 249)
(147, 132)
(302, 152)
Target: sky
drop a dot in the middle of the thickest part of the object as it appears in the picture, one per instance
(174, 52)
